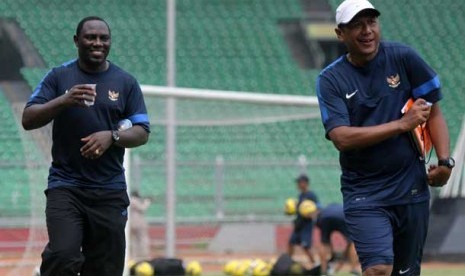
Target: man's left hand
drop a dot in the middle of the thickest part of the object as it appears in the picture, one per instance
(96, 144)
(438, 175)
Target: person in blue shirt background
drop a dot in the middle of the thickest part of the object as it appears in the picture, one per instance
(86, 209)
(303, 226)
(384, 180)
(331, 219)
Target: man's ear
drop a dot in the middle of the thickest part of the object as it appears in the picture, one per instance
(75, 38)
(339, 34)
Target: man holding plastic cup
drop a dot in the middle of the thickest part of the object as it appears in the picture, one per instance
(87, 202)
(93, 88)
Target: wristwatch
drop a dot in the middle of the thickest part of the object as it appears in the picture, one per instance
(114, 136)
(449, 162)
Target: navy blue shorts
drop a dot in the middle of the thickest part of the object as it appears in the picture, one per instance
(329, 225)
(303, 236)
(393, 235)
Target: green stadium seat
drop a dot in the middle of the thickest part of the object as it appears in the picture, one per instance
(14, 183)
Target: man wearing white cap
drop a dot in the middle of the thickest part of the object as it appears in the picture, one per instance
(384, 181)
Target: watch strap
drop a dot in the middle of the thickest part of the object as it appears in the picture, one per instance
(449, 162)
(114, 136)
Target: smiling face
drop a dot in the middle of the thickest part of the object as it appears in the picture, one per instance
(93, 43)
(361, 37)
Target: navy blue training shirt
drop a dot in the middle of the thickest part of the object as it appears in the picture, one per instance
(118, 97)
(390, 172)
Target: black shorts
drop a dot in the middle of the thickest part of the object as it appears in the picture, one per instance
(86, 232)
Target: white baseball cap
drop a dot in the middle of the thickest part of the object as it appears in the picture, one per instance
(348, 9)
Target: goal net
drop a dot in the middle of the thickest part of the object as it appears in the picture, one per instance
(36, 148)
(456, 185)
(237, 155)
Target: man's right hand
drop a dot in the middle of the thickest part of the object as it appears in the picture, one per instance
(38, 115)
(417, 114)
(77, 95)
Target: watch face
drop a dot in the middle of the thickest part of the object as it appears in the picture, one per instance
(115, 136)
(451, 162)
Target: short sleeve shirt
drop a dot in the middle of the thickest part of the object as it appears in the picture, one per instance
(390, 172)
(118, 97)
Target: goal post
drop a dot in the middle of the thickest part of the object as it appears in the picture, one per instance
(207, 95)
(225, 141)
(229, 96)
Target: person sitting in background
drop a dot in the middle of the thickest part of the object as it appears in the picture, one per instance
(140, 241)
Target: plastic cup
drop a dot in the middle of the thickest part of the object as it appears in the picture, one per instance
(93, 86)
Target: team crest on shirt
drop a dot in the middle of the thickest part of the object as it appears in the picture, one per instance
(113, 95)
(393, 81)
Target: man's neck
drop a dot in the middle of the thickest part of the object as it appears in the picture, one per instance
(360, 60)
(94, 69)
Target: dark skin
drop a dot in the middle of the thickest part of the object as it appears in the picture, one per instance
(439, 175)
(362, 37)
(93, 44)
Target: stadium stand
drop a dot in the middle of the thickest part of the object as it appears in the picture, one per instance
(14, 198)
(236, 45)
(244, 52)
